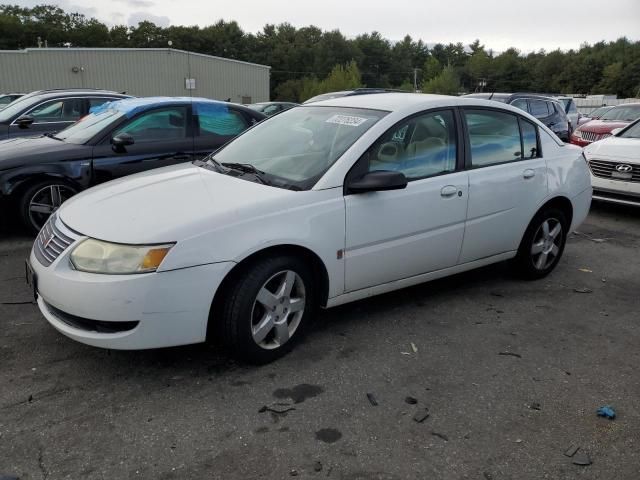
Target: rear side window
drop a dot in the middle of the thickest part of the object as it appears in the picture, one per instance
(221, 122)
(539, 108)
(494, 137)
(97, 101)
(529, 139)
(552, 108)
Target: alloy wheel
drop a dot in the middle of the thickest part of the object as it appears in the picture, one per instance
(546, 243)
(278, 309)
(46, 201)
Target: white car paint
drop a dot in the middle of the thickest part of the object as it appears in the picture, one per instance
(609, 153)
(368, 243)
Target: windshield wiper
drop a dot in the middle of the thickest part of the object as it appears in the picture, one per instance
(247, 168)
(51, 135)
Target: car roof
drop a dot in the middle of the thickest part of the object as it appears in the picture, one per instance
(132, 106)
(74, 92)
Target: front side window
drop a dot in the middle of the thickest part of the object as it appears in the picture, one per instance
(157, 125)
(219, 120)
(494, 137)
(539, 108)
(296, 147)
(520, 103)
(62, 110)
(419, 147)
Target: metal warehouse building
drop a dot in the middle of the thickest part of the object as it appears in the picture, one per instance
(136, 71)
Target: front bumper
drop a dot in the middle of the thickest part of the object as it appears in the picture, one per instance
(150, 310)
(615, 191)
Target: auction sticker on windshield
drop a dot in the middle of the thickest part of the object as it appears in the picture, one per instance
(347, 120)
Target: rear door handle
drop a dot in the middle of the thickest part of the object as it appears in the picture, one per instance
(529, 173)
(448, 191)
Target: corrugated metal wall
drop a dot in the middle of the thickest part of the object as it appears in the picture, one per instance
(140, 72)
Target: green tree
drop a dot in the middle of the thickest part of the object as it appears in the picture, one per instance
(446, 83)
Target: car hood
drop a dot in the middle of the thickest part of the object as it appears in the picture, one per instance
(602, 126)
(17, 152)
(615, 148)
(167, 205)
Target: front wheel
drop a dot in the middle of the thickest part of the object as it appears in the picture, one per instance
(41, 200)
(267, 308)
(542, 244)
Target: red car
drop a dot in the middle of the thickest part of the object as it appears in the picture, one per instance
(618, 117)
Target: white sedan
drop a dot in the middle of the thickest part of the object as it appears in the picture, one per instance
(615, 166)
(321, 205)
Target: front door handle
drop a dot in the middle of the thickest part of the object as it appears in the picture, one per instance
(448, 191)
(529, 173)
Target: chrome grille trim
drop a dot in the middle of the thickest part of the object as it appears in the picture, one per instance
(52, 241)
(605, 168)
(592, 136)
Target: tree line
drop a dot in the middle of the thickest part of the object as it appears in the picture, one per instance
(307, 61)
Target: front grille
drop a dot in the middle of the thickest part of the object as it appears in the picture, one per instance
(593, 136)
(605, 169)
(53, 239)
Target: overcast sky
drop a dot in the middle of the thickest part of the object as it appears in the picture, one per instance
(499, 24)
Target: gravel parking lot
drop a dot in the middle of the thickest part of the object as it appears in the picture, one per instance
(512, 373)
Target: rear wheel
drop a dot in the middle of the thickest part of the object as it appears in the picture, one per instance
(42, 199)
(543, 244)
(268, 308)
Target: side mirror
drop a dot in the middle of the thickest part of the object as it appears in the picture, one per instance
(24, 121)
(616, 131)
(378, 181)
(122, 140)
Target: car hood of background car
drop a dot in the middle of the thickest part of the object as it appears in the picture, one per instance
(21, 151)
(602, 126)
(168, 205)
(616, 148)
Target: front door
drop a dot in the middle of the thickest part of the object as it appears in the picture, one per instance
(507, 181)
(402, 233)
(162, 137)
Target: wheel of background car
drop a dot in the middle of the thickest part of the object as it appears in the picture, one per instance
(268, 308)
(542, 244)
(40, 200)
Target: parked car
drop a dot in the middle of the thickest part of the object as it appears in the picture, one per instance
(618, 117)
(38, 174)
(321, 205)
(349, 93)
(595, 114)
(271, 108)
(7, 98)
(548, 110)
(570, 108)
(615, 166)
(49, 111)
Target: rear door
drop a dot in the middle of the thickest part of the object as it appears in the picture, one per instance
(216, 124)
(507, 181)
(162, 137)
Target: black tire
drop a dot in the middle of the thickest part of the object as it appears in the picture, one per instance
(529, 265)
(33, 221)
(242, 312)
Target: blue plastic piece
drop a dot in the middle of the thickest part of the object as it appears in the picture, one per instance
(607, 412)
(132, 106)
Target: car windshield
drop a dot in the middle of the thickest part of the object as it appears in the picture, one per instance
(295, 148)
(632, 131)
(16, 107)
(89, 126)
(625, 113)
(5, 100)
(599, 111)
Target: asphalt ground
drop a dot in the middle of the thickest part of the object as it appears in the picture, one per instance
(511, 372)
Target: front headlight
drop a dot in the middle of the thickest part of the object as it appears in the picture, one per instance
(577, 133)
(96, 256)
